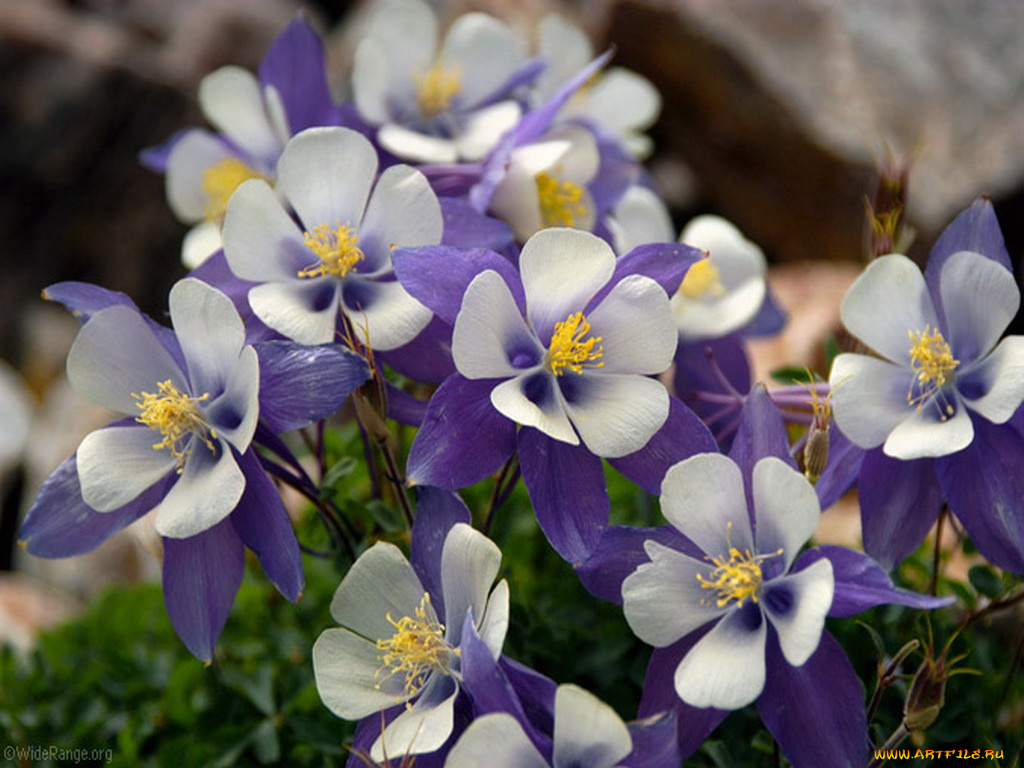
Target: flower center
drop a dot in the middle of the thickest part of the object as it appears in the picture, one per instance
(177, 417)
(702, 280)
(416, 649)
(559, 199)
(220, 182)
(735, 576)
(933, 362)
(337, 251)
(436, 88)
(570, 350)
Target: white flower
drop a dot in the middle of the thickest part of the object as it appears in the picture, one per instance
(396, 645)
(338, 253)
(639, 217)
(933, 370)
(587, 733)
(743, 584)
(436, 105)
(574, 365)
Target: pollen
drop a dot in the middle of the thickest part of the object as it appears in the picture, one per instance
(736, 576)
(561, 201)
(336, 248)
(436, 88)
(932, 361)
(416, 649)
(571, 349)
(177, 417)
(219, 183)
(702, 280)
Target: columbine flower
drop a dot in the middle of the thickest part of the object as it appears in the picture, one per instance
(742, 585)
(437, 106)
(336, 252)
(254, 119)
(618, 100)
(399, 644)
(587, 732)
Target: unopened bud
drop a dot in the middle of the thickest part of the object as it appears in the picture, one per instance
(815, 452)
(927, 694)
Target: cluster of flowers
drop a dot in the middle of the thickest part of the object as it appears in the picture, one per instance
(477, 219)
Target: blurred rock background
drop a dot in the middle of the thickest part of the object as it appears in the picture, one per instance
(776, 115)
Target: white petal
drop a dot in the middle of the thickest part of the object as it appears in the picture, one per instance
(484, 129)
(403, 212)
(980, 298)
(232, 101)
(562, 269)
(207, 491)
(712, 317)
(417, 730)
(194, 154)
(494, 627)
(379, 583)
(925, 434)
(869, 397)
(469, 563)
(261, 241)
(485, 53)
(796, 605)
(1003, 373)
(786, 509)
(736, 257)
(210, 332)
(326, 175)
(616, 413)
(372, 77)
(565, 48)
(384, 314)
(635, 324)
(726, 668)
(345, 669)
(116, 464)
(234, 414)
(640, 217)
(587, 731)
(115, 354)
(495, 739)
(200, 243)
(490, 338)
(533, 400)
(417, 147)
(663, 601)
(580, 162)
(888, 301)
(703, 497)
(515, 200)
(304, 311)
(622, 100)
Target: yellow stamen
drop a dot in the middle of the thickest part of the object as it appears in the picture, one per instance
(336, 248)
(702, 279)
(220, 182)
(436, 88)
(177, 417)
(933, 362)
(736, 576)
(560, 201)
(570, 350)
(416, 649)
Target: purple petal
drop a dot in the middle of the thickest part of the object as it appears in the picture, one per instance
(768, 321)
(463, 438)
(620, 551)
(155, 158)
(489, 687)
(815, 711)
(655, 742)
(428, 357)
(567, 490)
(761, 433)
(465, 227)
(695, 363)
(405, 408)
(201, 576)
(437, 510)
(842, 470)
(665, 263)
(301, 384)
(985, 489)
(899, 504)
(60, 524)
(682, 435)
(861, 583)
(437, 276)
(616, 172)
(659, 695)
(262, 523)
(536, 693)
(294, 67)
(525, 74)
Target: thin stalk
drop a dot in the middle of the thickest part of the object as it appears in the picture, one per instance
(892, 742)
(937, 551)
(496, 494)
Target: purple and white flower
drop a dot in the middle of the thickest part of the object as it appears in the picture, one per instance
(335, 252)
(400, 644)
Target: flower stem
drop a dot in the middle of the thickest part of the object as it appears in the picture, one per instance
(892, 742)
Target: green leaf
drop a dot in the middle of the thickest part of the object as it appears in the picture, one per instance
(832, 351)
(335, 474)
(985, 580)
